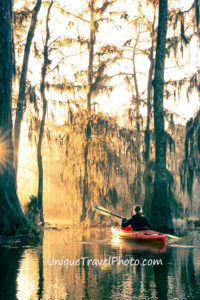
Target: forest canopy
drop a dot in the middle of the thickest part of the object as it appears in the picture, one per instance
(101, 94)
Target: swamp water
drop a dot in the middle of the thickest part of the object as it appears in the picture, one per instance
(90, 264)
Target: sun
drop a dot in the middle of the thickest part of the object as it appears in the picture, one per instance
(6, 150)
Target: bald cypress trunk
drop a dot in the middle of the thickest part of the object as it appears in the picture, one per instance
(138, 135)
(11, 216)
(147, 137)
(85, 198)
(160, 212)
(91, 54)
(22, 85)
(44, 111)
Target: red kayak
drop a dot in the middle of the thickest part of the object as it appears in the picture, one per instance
(139, 236)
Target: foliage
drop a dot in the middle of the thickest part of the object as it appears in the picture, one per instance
(190, 167)
(94, 146)
(31, 230)
(32, 210)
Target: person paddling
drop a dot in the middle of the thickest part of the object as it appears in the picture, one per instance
(138, 221)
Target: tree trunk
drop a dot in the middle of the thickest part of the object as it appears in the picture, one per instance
(91, 54)
(147, 138)
(85, 184)
(44, 101)
(89, 97)
(22, 85)
(160, 211)
(11, 216)
(39, 159)
(138, 174)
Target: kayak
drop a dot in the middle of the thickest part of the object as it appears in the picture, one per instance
(139, 236)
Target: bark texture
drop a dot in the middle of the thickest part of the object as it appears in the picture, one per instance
(91, 54)
(160, 212)
(85, 198)
(147, 138)
(21, 103)
(138, 136)
(11, 216)
(44, 101)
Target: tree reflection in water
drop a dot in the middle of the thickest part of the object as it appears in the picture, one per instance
(177, 278)
(161, 277)
(9, 268)
(41, 276)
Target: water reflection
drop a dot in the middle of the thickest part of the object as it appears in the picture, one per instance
(9, 266)
(33, 274)
(41, 276)
(122, 244)
(27, 279)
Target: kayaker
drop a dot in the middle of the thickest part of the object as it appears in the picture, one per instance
(138, 221)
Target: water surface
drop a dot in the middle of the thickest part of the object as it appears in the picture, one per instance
(90, 264)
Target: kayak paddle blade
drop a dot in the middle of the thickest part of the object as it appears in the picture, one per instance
(105, 212)
(102, 210)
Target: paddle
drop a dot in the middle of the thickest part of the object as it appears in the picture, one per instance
(170, 236)
(106, 212)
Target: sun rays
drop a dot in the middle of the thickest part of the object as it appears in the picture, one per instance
(6, 150)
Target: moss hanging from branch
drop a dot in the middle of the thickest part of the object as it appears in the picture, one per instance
(197, 12)
(190, 167)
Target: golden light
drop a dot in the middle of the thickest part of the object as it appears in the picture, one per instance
(5, 151)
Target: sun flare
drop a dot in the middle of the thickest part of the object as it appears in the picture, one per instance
(5, 150)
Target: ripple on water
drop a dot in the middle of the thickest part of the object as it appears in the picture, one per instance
(29, 276)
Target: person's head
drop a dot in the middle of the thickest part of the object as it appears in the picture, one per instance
(137, 209)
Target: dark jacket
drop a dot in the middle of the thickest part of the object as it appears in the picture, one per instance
(137, 222)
